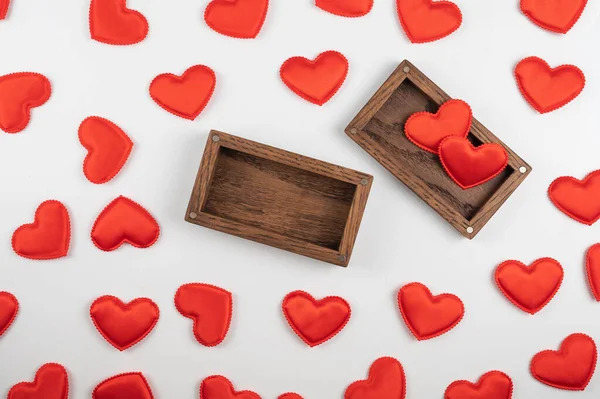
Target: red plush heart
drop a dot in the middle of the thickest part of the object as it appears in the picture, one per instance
(51, 382)
(545, 88)
(578, 199)
(289, 395)
(529, 288)
(108, 148)
(209, 307)
(4, 8)
(315, 321)
(386, 381)
(219, 387)
(592, 267)
(184, 96)
(9, 307)
(492, 385)
(124, 325)
(571, 367)
(427, 20)
(471, 166)
(554, 15)
(242, 19)
(123, 386)
(48, 236)
(19, 92)
(346, 8)
(428, 316)
(111, 22)
(426, 130)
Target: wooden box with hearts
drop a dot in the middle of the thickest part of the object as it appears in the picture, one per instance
(379, 128)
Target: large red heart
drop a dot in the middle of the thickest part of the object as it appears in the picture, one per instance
(427, 130)
(571, 367)
(219, 387)
(427, 20)
(19, 92)
(386, 381)
(471, 166)
(492, 385)
(428, 316)
(48, 236)
(108, 148)
(529, 288)
(184, 96)
(346, 8)
(123, 386)
(51, 382)
(4, 8)
(547, 89)
(124, 221)
(592, 267)
(9, 307)
(578, 199)
(289, 395)
(315, 321)
(209, 307)
(242, 19)
(124, 325)
(111, 22)
(554, 15)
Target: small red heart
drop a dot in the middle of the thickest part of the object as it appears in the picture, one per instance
(315, 321)
(209, 307)
(4, 8)
(111, 22)
(578, 199)
(592, 267)
(219, 387)
(428, 316)
(9, 307)
(427, 130)
(289, 395)
(529, 288)
(554, 15)
(124, 325)
(492, 385)
(571, 367)
(386, 381)
(547, 89)
(427, 20)
(48, 236)
(124, 221)
(19, 92)
(51, 382)
(346, 8)
(123, 386)
(242, 19)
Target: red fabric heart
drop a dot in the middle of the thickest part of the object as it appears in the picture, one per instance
(592, 267)
(346, 8)
(4, 8)
(547, 89)
(529, 288)
(219, 387)
(184, 96)
(491, 385)
(315, 81)
(111, 22)
(578, 199)
(427, 130)
(426, 20)
(51, 382)
(124, 221)
(19, 92)
(124, 325)
(209, 307)
(108, 148)
(428, 316)
(315, 321)
(48, 236)
(471, 166)
(9, 307)
(289, 395)
(242, 19)
(123, 386)
(386, 381)
(571, 367)
(554, 15)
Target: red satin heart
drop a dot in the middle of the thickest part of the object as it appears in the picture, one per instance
(578, 199)
(209, 307)
(242, 19)
(4, 8)
(592, 267)
(427, 130)
(315, 321)
(471, 166)
(123, 386)
(108, 148)
(346, 8)
(386, 381)
(428, 316)
(51, 382)
(48, 236)
(19, 92)
(547, 89)
(184, 96)
(571, 367)
(9, 307)
(219, 387)
(554, 15)
(124, 325)
(427, 20)
(529, 288)
(289, 395)
(111, 22)
(491, 385)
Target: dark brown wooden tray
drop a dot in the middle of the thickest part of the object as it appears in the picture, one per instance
(379, 129)
(278, 198)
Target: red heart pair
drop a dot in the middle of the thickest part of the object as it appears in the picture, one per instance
(554, 15)
(19, 92)
(386, 381)
(491, 385)
(578, 199)
(592, 267)
(428, 20)
(51, 382)
(346, 8)
(219, 387)
(9, 307)
(4, 8)
(242, 19)
(111, 22)
(123, 386)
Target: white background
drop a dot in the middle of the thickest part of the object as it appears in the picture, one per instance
(401, 239)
